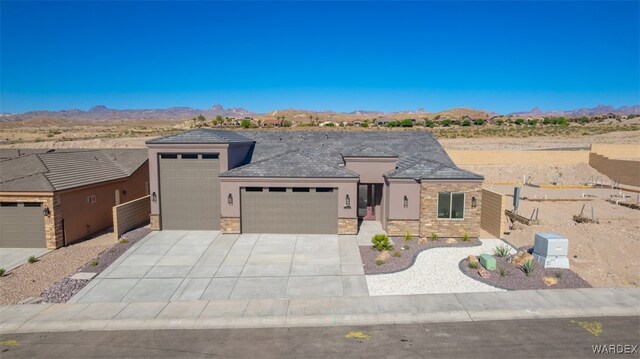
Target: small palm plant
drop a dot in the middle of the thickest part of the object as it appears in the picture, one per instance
(528, 267)
(381, 242)
(501, 250)
(32, 259)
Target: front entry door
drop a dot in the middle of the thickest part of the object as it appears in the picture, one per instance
(366, 202)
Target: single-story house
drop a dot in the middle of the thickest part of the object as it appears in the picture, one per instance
(52, 198)
(310, 182)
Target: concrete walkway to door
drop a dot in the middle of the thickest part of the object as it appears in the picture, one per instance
(205, 265)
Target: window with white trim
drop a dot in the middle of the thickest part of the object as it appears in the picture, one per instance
(451, 205)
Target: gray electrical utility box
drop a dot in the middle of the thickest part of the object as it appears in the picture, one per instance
(551, 250)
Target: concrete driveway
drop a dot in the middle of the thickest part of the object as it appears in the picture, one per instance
(194, 265)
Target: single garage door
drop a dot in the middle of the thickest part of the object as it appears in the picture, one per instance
(189, 191)
(21, 225)
(287, 210)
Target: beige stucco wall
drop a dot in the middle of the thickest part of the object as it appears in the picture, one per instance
(232, 186)
(82, 219)
(371, 170)
(617, 151)
(492, 217)
(155, 150)
(429, 221)
(130, 215)
(477, 157)
(397, 190)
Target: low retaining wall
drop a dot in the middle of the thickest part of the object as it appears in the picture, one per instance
(474, 157)
(130, 215)
(624, 171)
(492, 218)
(617, 151)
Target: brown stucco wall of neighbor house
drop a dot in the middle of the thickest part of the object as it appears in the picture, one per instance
(347, 226)
(154, 181)
(371, 170)
(130, 215)
(82, 218)
(232, 185)
(429, 222)
(398, 189)
(52, 223)
(230, 225)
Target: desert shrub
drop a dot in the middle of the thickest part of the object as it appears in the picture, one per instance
(407, 236)
(558, 275)
(381, 242)
(434, 237)
(124, 241)
(397, 254)
(466, 123)
(32, 259)
(473, 265)
(379, 262)
(466, 237)
(528, 267)
(501, 250)
(502, 272)
(93, 263)
(2, 272)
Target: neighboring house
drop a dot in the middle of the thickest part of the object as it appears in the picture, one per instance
(273, 122)
(58, 197)
(310, 182)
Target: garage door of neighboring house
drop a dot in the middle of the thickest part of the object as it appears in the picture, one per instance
(189, 191)
(21, 225)
(280, 210)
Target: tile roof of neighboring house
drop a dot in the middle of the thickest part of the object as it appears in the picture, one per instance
(293, 164)
(201, 135)
(56, 171)
(427, 170)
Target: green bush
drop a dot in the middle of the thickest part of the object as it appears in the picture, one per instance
(434, 237)
(466, 123)
(473, 265)
(528, 267)
(381, 242)
(93, 263)
(466, 237)
(397, 254)
(2, 272)
(379, 262)
(32, 259)
(501, 250)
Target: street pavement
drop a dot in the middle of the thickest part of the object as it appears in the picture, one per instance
(530, 338)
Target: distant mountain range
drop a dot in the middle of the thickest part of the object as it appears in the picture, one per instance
(103, 114)
(598, 110)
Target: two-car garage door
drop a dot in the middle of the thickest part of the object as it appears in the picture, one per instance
(190, 191)
(21, 225)
(289, 210)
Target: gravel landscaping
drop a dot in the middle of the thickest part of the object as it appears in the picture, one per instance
(408, 256)
(514, 277)
(64, 289)
(30, 280)
(434, 271)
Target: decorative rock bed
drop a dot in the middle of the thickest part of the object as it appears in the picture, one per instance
(515, 278)
(408, 256)
(64, 289)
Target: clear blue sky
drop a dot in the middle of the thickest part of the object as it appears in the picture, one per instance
(499, 56)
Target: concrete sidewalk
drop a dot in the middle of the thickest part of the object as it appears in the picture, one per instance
(307, 312)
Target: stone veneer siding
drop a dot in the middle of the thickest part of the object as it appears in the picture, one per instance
(155, 222)
(230, 225)
(429, 222)
(53, 232)
(347, 226)
(399, 227)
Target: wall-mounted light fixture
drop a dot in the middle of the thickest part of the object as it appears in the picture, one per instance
(474, 202)
(347, 201)
(46, 211)
(230, 199)
(154, 197)
(405, 204)
(124, 192)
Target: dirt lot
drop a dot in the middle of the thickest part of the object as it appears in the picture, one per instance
(604, 254)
